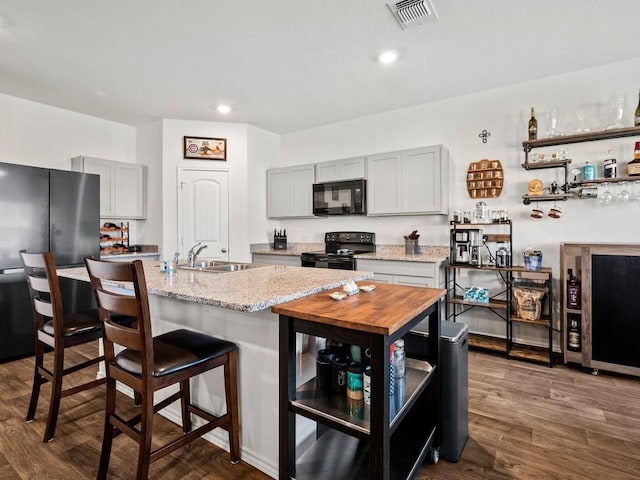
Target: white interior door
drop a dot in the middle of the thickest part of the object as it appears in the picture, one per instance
(203, 212)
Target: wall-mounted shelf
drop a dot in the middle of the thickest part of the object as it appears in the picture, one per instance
(528, 145)
(559, 197)
(605, 180)
(581, 137)
(542, 165)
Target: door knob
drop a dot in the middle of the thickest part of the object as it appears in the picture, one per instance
(224, 250)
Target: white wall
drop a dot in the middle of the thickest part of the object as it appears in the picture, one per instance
(36, 134)
(263, 150)
(245, 146)
(149, 153)
(457, 123)
(40, 135)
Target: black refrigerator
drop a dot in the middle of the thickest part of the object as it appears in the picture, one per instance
(43, 209)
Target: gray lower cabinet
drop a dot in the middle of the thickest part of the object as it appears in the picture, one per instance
(414, 274)
(268, 259)
(408, 182)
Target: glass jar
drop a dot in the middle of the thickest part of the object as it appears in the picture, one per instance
(482, 213)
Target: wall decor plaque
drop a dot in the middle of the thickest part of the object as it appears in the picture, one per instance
(205, 148)
(485, 179)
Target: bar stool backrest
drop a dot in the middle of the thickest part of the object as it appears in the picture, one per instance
(138, 337)
(44, 289)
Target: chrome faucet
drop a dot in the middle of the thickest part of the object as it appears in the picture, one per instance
(193, 253)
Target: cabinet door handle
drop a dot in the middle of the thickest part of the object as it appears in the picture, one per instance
(224, 250)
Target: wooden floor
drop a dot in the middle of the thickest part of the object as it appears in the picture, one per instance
(527, 421)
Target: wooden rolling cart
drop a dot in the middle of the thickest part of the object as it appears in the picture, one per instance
(391, 437)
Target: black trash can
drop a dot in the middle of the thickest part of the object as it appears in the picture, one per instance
(454, 382)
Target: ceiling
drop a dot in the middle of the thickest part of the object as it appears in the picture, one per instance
(290, 65)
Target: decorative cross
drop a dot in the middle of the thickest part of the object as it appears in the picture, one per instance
(484, 135)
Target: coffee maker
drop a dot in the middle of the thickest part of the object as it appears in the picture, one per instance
(475, 243)
(460, 246)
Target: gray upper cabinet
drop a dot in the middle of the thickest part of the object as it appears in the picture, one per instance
(122, 186)
(345, 169)
(290, 191)
(409, 182)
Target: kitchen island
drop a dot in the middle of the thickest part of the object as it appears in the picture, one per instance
(235, 306)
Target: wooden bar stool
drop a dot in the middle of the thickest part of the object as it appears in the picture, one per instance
(58, 331)
(148, 364)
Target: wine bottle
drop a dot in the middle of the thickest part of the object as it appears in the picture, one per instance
(573, 291)
(573, 336)
(636, 117)
(633, 167)
(533, 125)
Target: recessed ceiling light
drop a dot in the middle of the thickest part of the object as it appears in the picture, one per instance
(387, 56)
(224, 109)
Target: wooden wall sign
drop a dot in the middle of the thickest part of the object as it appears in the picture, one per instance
(485, 179)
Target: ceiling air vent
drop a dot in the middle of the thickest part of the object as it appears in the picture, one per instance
(413, 12)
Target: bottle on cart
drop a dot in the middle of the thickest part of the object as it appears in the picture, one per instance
(636, 116)
(574, 294)
(573, 336)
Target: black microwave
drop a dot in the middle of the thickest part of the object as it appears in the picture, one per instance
(347, 197)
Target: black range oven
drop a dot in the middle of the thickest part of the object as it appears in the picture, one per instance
(340, 250)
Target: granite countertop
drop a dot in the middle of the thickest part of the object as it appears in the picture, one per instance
(436, 254)
(246, 290)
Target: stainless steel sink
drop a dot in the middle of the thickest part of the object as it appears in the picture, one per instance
(230, 268)
(217, 266)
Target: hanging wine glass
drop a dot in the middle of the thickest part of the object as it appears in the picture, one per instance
(606, 197)
(637, 190)
(623, 194)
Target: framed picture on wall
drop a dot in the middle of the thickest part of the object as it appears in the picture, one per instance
(202, 148)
